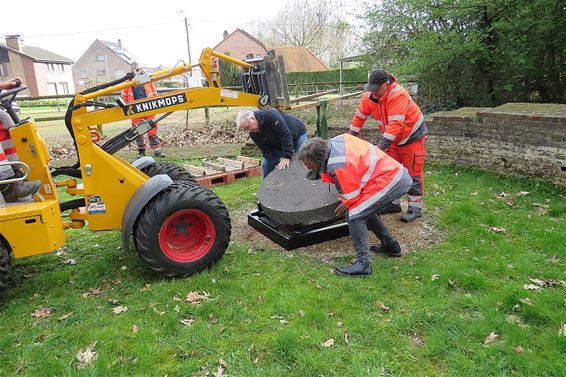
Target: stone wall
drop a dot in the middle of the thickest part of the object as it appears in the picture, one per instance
(515, 138)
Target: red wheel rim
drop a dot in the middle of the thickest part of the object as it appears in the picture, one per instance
(187, 235)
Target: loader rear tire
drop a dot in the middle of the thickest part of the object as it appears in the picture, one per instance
(175, 172)
(182, 230)
(5, 268)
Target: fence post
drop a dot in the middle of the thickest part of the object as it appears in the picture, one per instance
(321, 120)
(206, 116)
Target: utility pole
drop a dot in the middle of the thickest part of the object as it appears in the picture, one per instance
(190, 63)
(188, 43)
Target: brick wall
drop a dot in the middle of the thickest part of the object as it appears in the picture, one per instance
(515, 138)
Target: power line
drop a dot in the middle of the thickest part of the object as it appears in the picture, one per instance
(104, 30)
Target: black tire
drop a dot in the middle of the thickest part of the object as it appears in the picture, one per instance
(175, 172)
(5, 268)
(182, 230)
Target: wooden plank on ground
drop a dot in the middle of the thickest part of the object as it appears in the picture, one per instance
(249, 160)
(214, 166)
(310, 105)
(231, 163)
(196, 170)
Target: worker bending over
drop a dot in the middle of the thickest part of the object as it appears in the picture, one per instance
(368, 180)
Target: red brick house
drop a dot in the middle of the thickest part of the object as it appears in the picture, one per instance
(239, 44)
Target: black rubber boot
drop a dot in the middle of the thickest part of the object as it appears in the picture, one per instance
(357, 269)
(21, 189)
(392, 250)
(411, 215)
(391, 208)
(141, 153)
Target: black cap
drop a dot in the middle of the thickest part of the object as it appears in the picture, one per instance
(376, 79)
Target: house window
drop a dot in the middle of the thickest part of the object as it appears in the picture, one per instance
(2, 70)
(63, 88)
(100, 58)
(101, 72)
(119, 73)
(52, 88)
(50, 67)
(84, 75)
(62, 67)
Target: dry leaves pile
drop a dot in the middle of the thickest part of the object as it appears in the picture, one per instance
(537, 284)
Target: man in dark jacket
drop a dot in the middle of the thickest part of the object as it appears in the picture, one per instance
(277, 135)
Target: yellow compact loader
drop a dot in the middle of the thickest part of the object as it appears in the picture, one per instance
(178, 227)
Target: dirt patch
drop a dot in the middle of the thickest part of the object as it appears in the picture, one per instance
(413, 237)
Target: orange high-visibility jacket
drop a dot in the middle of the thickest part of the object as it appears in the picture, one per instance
(398, 117)
(362, 173)
(128, 94)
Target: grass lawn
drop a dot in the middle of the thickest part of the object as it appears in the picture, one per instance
(274, 314)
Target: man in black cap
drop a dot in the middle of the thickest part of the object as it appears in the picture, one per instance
(403, 129)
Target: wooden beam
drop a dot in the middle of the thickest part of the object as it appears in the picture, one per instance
(214, 166)
(195, 170)
(249, 160)
(313, 96)
(232, 163)
(310, 105)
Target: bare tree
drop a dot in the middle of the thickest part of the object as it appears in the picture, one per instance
(318, 25)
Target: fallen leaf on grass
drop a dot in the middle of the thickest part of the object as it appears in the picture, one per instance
(196, 297)
(120, 309)
(522, 193)
(65, 316)
(434, 277)
(86, 356)
(187, 322)
(146, 288)
(512, 318)
(92, 292)
(329, 343)
(212, 319)
(70, 262)
(42, 313)
(116, 281)
(339, 324)
(544, 283)
(562, 330)
(301, 313)
(219, 372)
(503, 195)
(553, 259)
(158, 312)
(283, 321)
(492, 337)
(347, 337)
(495, 229)
(512, 205)
(382, 306)
(222, 362)
(135, 329)
(526, 301)
(531, 287)
(519, 349)
(475, 193)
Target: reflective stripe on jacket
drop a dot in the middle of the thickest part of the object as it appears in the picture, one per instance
(362, 173)
(398, 117)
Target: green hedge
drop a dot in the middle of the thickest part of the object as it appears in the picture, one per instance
(350, 75)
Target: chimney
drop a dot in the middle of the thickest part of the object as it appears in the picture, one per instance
(15, 41)
(120, 44)
(225, 34)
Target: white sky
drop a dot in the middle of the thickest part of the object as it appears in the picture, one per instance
(153, 31)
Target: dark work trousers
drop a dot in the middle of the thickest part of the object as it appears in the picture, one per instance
(369, 219)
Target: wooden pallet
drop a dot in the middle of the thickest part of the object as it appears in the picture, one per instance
(225, 171)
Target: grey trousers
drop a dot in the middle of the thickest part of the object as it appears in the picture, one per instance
(360, 225)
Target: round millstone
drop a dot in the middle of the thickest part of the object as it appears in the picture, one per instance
(288, 197)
